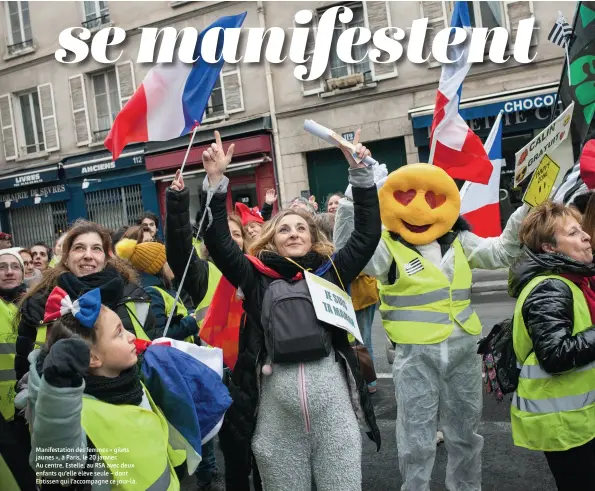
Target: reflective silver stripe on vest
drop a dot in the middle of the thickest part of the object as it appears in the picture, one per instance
(8, 348)
(464, 315)
(464, 294)
(415, 316)
(416, 300)
(554, 405)
(200, 314)
(162, 482)
(536, 372)
(8, 374)
(142, 311)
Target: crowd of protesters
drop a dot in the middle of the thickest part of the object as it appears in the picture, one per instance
(71, 316)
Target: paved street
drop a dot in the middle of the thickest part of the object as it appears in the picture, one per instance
(505, 467)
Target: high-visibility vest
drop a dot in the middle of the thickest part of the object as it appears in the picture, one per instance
(8, 339)
(9, 483)
(138, 312)
(133, 443)
(214, 277)
(181, 309)
(422, 306)
(551, 412)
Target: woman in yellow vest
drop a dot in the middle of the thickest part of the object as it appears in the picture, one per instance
(14, 451)
(553, 408)
(148, 258)
(92, 419)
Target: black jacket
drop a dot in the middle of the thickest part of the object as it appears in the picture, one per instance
(33, 310)
(548, 311)
(240, 420)
(178, 245)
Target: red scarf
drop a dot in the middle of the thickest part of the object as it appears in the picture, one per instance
(585, 283)
(221, 327)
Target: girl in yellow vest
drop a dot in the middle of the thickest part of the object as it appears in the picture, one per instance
(92, 419)
(148, 258)
(553, 408)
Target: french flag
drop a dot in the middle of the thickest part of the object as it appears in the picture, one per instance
(480, 204)
(453, 146)
(172, 98)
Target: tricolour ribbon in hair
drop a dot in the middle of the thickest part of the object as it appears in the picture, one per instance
(85, 309)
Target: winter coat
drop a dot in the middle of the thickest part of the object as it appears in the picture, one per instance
(33, 310)
(548, 311)
(240, 421)
(178, 245)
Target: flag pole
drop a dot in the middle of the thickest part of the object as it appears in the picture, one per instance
(432, 151)
(568, 64)
(194, 128)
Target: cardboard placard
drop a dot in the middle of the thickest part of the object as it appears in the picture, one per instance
(542, 182)
(528, 158)
(332, 305)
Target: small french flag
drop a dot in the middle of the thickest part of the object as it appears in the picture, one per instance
(172, 98)
(454, 147)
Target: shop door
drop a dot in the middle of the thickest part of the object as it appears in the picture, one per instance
(38, 223)
(244, 193)
(114, 208)
(327, 169)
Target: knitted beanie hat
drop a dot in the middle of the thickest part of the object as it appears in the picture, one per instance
(14, 252)
(147, 257)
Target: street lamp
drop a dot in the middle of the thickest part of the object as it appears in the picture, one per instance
(87, 182)
(37, 199)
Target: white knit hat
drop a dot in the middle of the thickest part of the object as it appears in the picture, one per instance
(14, 251)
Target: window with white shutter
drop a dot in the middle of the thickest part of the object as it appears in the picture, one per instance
(48, 117)
(310, 87)
(436, 13)
(377, 15)
(80, 112)
(231, 82)
(9, 138)
(126, 81)
(32, 126)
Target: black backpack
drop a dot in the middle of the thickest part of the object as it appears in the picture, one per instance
(500, 371)
(293, 333)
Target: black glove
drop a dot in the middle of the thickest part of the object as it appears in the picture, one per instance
(67, 363)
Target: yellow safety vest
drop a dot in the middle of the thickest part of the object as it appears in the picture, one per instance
(138, 312)
(551, 412)
(9, 483)
(181, 309)
(422, 306)
(214, 277)
(133, 443)
(8, 340)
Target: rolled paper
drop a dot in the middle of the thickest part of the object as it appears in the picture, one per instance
(333, 138)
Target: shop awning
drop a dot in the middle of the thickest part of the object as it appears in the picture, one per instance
(93, 163)
(510, 101)
(30, 177)
(238, 166)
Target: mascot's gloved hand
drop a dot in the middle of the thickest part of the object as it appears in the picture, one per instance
(380, 175)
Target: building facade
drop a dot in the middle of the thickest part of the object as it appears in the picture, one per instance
(55, 116)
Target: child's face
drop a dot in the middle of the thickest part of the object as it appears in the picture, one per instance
(114, 350)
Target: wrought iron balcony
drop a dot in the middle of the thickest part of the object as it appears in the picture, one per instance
(97, 21)
(17, 47)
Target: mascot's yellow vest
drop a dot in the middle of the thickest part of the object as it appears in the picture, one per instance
(422, 306)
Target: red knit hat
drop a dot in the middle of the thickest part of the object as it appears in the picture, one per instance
(248, 215)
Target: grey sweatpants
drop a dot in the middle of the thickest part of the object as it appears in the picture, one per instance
(306, 427)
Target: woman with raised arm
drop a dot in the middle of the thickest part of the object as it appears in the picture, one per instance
(299, 372)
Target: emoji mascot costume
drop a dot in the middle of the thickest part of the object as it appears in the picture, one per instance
(423, 266)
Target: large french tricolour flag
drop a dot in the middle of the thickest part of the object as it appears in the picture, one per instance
(480, 204)
(454, 147)
(172, 98)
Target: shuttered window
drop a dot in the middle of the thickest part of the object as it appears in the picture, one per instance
(114, 208)
(9, 139)
(32, 127)
(227, 96)
(107, 102)
(35, 223)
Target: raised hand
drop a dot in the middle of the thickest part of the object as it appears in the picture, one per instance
(215, 160)
(178, 184)
(270, 197)
(361, 152)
